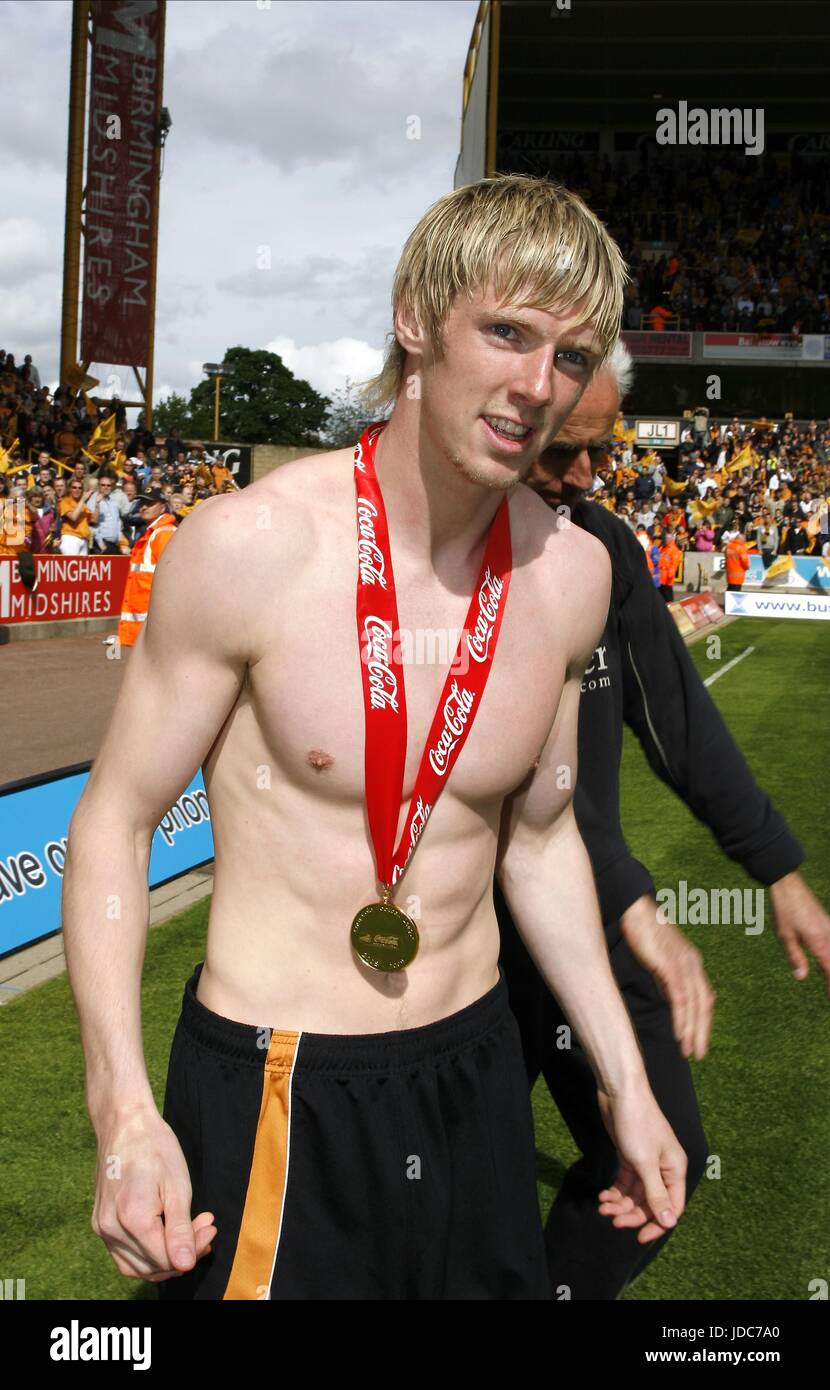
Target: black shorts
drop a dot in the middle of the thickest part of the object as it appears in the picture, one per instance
(379, 1166)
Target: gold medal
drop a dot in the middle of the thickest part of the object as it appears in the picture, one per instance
(384, 937)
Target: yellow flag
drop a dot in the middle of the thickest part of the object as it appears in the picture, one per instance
(6, 456)
(91, 410)
(743, 459)
(75, 376)
(18, 468)
(702, 508)
(672, 487)
(103, 437)
(779, 566)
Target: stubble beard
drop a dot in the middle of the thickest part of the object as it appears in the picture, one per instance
(482, 479)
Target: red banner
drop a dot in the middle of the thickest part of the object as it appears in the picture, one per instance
(772, 347)
(645, 343)
(121, 186)
(67, 586)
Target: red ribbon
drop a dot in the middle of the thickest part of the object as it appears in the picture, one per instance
(384, 698)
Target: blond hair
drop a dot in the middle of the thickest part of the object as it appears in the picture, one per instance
(524, 234)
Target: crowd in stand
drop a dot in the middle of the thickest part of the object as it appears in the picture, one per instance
(759, 486)
(81, 498)
(716, 241)
(764, 484)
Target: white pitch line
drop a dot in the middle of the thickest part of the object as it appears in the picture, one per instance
(728, 667)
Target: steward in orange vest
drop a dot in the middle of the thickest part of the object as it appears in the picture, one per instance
(144, 557)
(670, 557)
(668, 565)
(737, 562)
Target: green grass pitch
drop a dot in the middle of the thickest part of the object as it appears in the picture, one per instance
(759, 1231)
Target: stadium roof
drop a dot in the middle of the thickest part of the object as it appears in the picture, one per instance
(615, 62)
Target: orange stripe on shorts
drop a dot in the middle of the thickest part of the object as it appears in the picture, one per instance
(265, 1199)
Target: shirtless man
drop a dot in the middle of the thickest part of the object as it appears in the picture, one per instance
(339, 1131)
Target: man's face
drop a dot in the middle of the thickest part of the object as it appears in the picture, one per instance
(513, 363)
(105, 486)
(566, 467)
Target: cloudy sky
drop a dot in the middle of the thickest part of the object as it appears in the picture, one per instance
(289, 132)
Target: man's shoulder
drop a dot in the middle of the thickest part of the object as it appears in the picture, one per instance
(614, 533)
(301, 483)
(570, 562)
(273, 526)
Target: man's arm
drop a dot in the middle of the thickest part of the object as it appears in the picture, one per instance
(685, 737)
(182, 679)
(689, 746)
(546, 877)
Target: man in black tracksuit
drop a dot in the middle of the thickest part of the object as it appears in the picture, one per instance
(642, 674)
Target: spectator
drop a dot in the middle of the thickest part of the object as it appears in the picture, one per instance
(132, 523)
(76, 517)
(188, 503)
(106, 523)
(766, 538)
(45, 525)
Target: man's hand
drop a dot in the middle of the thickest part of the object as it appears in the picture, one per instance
(142, 1211)
(801, 922)
(650, 1188)
(677, 966)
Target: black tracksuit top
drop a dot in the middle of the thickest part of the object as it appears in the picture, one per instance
(643, 675)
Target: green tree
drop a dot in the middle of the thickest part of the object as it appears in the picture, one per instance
(172, 414)
(261, 403)
(347, 417)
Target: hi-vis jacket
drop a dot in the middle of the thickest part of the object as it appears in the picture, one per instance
(737, 560)
(144, 557)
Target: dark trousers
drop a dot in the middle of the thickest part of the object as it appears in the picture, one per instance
(667, 590)
(588, 1257)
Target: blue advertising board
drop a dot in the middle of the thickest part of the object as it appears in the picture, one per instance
(790, 572)
(34, 823)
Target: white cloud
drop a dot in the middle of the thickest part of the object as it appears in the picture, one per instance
(289, 130)
(24, 250)
(325, 366)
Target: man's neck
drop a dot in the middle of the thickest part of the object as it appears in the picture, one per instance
(438, 518)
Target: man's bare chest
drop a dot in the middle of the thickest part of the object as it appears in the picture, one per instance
(306, 691)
